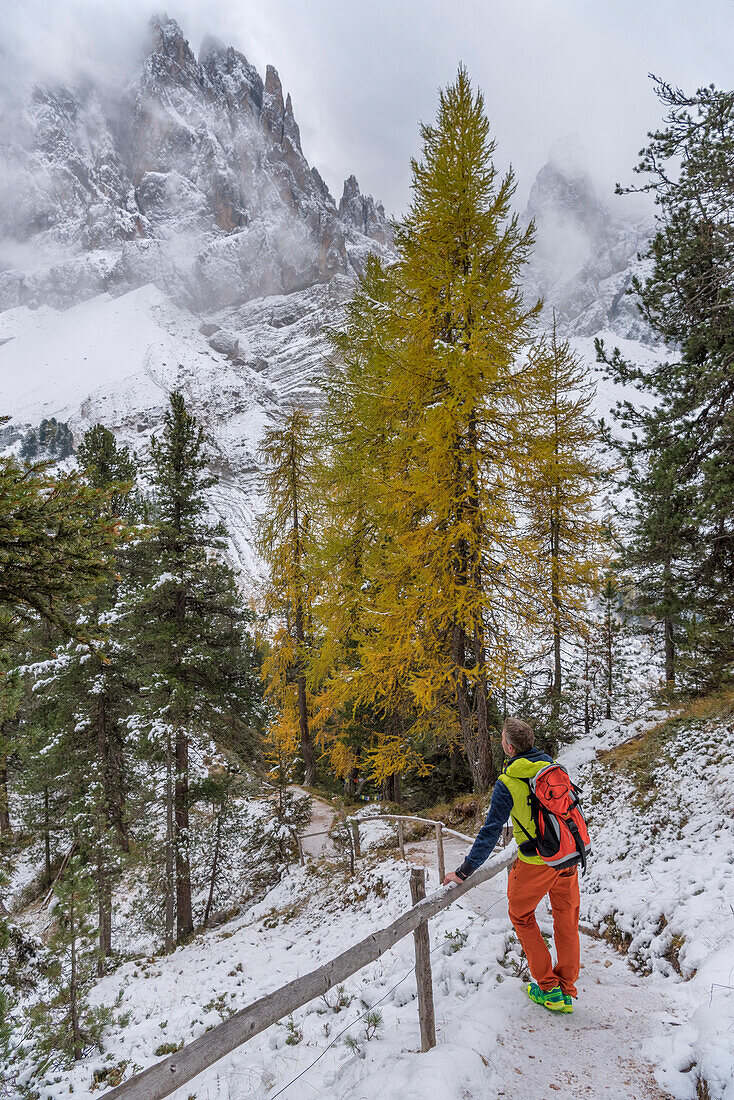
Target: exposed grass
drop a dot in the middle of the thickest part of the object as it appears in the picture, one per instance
(640, 755)
(613, 934)
(464, 809)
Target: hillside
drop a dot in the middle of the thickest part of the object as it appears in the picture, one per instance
(654, 1007)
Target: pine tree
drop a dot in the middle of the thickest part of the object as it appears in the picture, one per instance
(660, 535)
(66, 1026)
(56, 543)
(682, 473)
(195, 658)
(81, 700)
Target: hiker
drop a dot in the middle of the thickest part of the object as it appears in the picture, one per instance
(531, 877)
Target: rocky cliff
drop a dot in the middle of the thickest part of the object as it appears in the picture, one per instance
(192, 178)
(586, 248)
(173, 236)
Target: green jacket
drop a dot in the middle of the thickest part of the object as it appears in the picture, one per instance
(510, 798)
(513, 776)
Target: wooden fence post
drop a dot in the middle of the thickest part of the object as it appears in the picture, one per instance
(355, 839)
(352, 860)
(423, 978)
(439, 852)
(401, 840)
(301, 856)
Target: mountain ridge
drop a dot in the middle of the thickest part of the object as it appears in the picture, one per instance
(174, 236)
(194, 179)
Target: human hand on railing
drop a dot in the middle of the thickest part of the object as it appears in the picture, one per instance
(451, 877)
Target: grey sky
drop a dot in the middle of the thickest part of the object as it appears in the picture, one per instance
(363, 75)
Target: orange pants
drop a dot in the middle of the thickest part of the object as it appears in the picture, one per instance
(527, 885)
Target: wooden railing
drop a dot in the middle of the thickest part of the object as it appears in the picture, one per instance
(440, 829)
(163, 1078)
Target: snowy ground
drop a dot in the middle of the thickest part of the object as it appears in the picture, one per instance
(488, 1035)
(650, 1017)
(662, 883)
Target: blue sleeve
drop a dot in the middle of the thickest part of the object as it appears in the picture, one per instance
(487, 837)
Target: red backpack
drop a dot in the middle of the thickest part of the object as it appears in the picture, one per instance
(562, 835)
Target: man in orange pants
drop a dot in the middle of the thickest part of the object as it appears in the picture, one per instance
(530, 879)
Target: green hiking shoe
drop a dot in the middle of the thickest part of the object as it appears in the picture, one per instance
(550, 998)
(567, 1003)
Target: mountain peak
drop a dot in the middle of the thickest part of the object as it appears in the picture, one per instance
(170, 58)
(585, 249)
(568, 155)
(362, 213)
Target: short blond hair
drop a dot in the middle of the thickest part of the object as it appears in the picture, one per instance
(519, 734)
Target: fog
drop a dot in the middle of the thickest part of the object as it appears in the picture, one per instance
(363, 75)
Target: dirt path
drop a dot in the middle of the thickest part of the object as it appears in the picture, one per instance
(322, 818)
(594, 1053)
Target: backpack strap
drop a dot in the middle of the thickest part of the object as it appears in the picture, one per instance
(528, 847)
(572, 827)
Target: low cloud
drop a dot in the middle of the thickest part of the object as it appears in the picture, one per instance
(364, 76)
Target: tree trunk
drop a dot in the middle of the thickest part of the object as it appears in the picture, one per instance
(587, 712)
(609, 662)
(669, 652)
(110, 756)
(350, 783)
(184, 917)
(104, 909)
(486, 774)
(485, 761)
(47, 837)
(454, 763)
(215, 864)
(73, 990)
(309, 761)
(668, 626)
(104, 885)
(478, 756)
(557, 686)
(397, 790)
(6, 828)
(170, 880)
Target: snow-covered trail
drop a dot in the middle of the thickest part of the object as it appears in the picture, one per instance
(597, 1051)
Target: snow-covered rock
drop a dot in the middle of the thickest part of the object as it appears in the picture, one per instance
(193, 178)
(586, 249)
(173, 235)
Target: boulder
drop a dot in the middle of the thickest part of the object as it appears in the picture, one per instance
(226, 343)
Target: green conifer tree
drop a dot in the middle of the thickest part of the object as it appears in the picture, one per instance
(195, 657)
(56, 543)
(682, 474)
(66, 1026)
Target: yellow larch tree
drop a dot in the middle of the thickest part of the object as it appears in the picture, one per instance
(561, 488)
(284, 539)
(443, 380)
